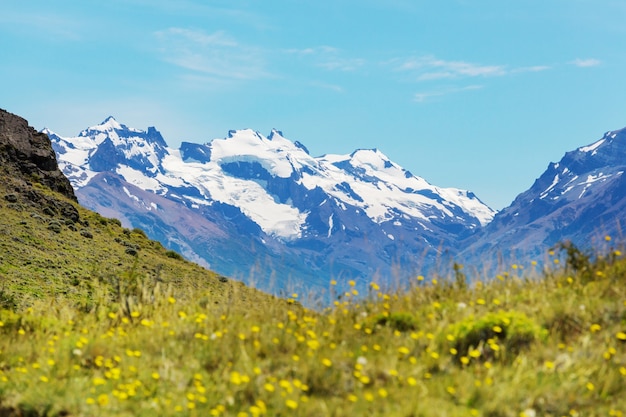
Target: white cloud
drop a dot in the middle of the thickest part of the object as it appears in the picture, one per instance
(585, 63)
(317, 50)
(215, 54)
(425, 96)
(535, 68)
(431, 68)
(327, 86)
(328, 58)
(342, 64)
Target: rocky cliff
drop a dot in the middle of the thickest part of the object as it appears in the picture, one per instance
(26, 153)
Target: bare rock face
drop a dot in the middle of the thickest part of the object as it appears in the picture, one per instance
(28, 153)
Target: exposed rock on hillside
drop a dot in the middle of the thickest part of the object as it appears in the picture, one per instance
(28, 153)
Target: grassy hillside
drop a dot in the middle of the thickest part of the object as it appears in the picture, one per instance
(96, 320)
(53, 250)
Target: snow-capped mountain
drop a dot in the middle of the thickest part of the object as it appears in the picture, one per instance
(581, 198)
(246, 199)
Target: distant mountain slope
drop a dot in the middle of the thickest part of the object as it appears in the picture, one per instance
(264, 204)
(581, 198)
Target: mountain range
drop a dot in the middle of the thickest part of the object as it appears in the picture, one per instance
(262, 209)
(581, 199)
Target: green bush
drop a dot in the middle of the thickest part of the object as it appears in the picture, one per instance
(174, 255)
(402, 322)
(495, 335)
(116, 222)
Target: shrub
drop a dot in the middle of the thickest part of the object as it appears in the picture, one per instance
(11, 198)
(174, 255)
(49, 211)
(55, 226)
(7, 300)
(402, 322)
(507, 331)
(86, 233)
(577, 261)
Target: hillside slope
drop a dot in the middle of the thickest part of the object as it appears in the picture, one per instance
(54, 248)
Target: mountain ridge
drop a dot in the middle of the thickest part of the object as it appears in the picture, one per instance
(355, 216)
(310, 211)
(581, 199)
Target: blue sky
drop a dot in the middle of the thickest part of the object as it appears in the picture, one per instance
(474, 94)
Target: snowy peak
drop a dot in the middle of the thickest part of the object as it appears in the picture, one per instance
(272, 180)
(358, 207)
(609, 150)
(279, 156)
(109, 146)
(275, 133)
(584, 168)
(373, 160)
(581, 199)
(108, 125)
(119, 133)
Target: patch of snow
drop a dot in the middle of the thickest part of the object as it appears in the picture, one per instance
(128, 193)
(139, 179)
(590, 180)
(592, 147)
(250, 146)
(330, 225)
(555, 181)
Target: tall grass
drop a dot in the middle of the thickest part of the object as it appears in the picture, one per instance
(553, 345)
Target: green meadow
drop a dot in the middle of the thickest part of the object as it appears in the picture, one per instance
(98, 320)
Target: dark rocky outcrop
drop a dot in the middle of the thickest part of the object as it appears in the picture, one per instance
(26, 153)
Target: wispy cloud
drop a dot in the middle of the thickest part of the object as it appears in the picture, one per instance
(426, 96)
(342, 64)
(429, 67)
(327, 86)
(51, 26)
(534, 68)
(214, 54)
(585, 63)
(317, 50)
(328, 58)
